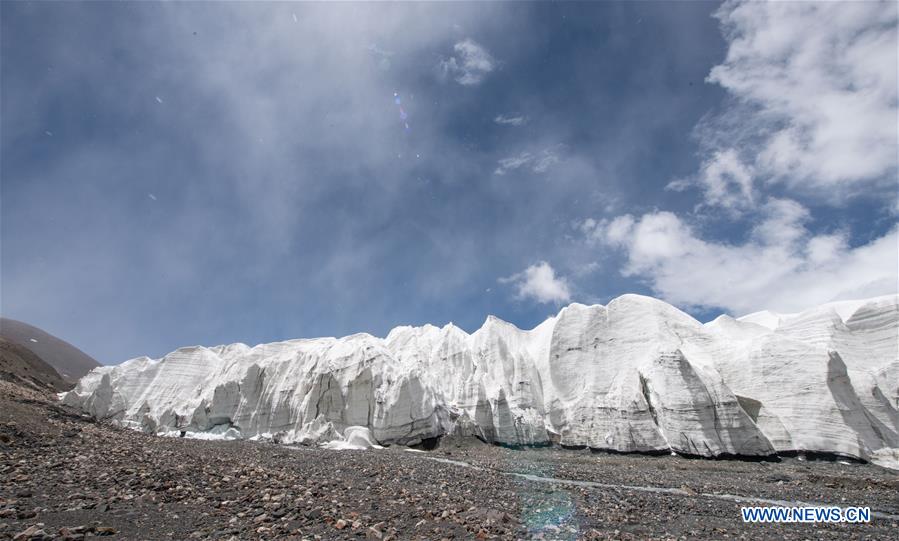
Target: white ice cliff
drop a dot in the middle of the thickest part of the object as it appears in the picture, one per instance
(635, 375)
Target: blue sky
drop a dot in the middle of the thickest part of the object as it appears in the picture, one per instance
(205, 173)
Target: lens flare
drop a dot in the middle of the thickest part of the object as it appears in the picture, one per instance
(403, 116)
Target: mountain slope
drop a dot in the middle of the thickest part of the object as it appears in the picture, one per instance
(637, 375)
(69, 361)
(22, 367)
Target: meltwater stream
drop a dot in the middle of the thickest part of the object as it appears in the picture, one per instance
(658, 490)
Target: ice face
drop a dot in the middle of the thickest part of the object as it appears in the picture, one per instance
(635, 375)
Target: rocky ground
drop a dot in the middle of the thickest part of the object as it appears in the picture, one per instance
(65, 477)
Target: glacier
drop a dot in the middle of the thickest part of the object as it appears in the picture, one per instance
(636, 375)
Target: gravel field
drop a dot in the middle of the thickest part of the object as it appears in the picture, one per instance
(65, 477)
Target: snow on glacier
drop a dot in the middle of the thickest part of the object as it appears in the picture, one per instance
(355, 438)
(636, 375)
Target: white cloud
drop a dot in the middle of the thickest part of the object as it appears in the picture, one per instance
(511, 120)
(538, 163)
(611, 232)
(813, 106)
(781, 266)
(725, 180)
(815, 100)
(540, 283)
(470, 64)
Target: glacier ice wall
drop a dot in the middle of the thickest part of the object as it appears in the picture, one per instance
(635, 375)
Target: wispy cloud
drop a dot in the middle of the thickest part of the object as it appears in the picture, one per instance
(511, 120)
(514, 162)
(586, 268)
(545, 160)
(540, 283)
(470, 65)
(540, 162)
(237, 162)
(383, 57)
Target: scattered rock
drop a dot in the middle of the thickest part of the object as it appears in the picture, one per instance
(155, 488)
(26, 533)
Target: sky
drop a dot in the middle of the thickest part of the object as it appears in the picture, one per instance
(207, 173)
